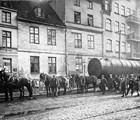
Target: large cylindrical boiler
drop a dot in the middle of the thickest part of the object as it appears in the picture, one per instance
(98, 67)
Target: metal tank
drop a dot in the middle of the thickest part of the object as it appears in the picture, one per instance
(101, 66)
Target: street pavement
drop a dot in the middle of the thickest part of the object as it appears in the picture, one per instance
(87, 106)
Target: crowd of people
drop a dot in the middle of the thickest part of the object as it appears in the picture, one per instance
(122, 84)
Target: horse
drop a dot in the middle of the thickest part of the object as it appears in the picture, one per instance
(62, 82)
(80, 82)
(45, 78)
(11, 83)
(90, 80)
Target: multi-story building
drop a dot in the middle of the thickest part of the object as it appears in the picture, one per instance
(8, 37)
(40, 38)
(61, 36)
(83, 19)
(120, 29)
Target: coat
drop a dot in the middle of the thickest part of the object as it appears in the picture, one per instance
(103, 84)
(123, 86)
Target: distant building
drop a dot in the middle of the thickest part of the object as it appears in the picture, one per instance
(121, 29)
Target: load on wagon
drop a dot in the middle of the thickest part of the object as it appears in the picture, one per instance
(101, 66)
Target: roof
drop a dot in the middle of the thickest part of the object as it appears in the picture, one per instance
(26, 11)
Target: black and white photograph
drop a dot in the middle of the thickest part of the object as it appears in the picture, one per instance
(69, 59)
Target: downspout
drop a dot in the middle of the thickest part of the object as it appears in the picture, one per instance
(66, 53)
(102, 15)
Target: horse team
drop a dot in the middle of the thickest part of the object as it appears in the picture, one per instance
(53, 84)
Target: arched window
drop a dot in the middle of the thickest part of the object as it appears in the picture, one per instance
(108, 24)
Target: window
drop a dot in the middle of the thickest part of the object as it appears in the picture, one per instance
(91, 42)
(128, 29)
(7, 64)
(90, 4)
(34, 35)
(122, 10)
(6, 17)
(134, 12)
(77, 2)
(109, 45)
(117, 8)
(78, 40)
(128, 48)
(34, 60)
(39, 12)
(90, 20)
(116, 26)
(135, 49)
(77, 17)
(52, 65)
(117, 46)
(108, 24)
(123, 47)
(79, 65)
(6, 39)
(107, 5)
(123, 28)
(128, 12)
(51, 37)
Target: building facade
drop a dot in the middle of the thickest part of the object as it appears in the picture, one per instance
(61, 36)
(83, 21)
(38, 39)
(121, 29)
(8, 38)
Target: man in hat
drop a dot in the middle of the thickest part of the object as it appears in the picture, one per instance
(110, 82)
(123, 86)
(53, 85)
(103, 84)
(131, 85)
(137, 85)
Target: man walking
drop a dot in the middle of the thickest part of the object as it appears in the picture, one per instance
(131, 84)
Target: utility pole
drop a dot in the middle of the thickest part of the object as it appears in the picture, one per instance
(66, 53)
(119, 44)
(84, 65)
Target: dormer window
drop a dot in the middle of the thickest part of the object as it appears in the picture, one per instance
(39, 12)
(6, 17)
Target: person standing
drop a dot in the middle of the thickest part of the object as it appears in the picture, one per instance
(131, 84)
(123, 86)
(110, 82)
(53, 85)
(137, 85)
(116, 83)
(103, 84)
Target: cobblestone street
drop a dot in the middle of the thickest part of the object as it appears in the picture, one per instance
(87, 106)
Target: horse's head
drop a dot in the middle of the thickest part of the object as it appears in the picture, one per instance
(42, 77)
